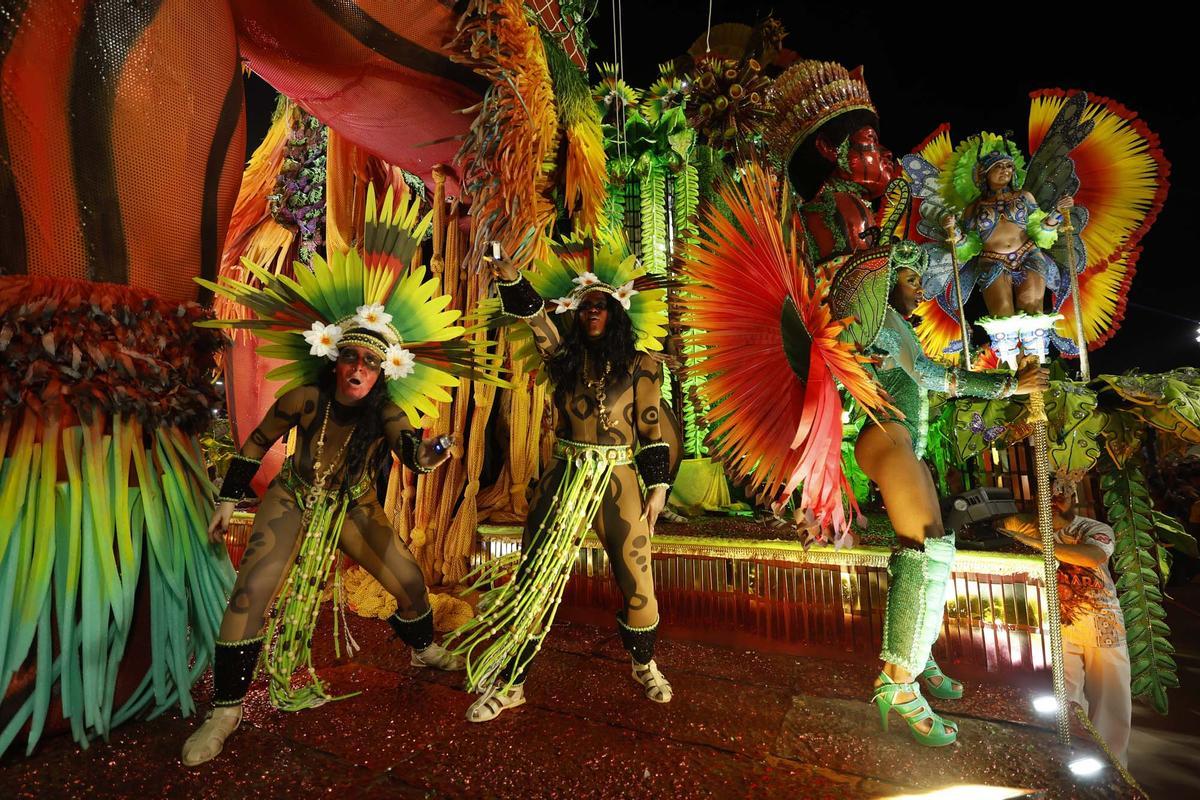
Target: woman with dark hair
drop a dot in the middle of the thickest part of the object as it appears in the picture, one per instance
(611, 433)
(890, 454)
(393, 347)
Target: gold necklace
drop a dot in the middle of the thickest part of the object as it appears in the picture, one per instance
(321, 473)
(597, 386)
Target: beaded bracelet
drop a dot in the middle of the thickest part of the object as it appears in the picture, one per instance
(654, 465)
(237, 478)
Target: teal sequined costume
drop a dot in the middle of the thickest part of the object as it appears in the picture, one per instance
(908, 375)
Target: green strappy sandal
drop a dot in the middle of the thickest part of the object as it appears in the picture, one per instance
(947, 688)
(913, 712)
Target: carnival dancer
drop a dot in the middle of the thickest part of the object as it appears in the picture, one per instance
(369, 349)
(890, 454)
(1003, 221)
(611, 468)
(780, 338)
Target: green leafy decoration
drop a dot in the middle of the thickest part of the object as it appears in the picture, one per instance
(695, 410)
(940, 446)
(1123, 433)
(614, 208)
(860, 484)
(654, 219)
(969, 439)
(1169, 401)
(1171, 532)
(1135, 556)
(687, 201)
(1074, 425)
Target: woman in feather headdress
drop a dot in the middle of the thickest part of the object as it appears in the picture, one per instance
(1093, 163)
(369, 349)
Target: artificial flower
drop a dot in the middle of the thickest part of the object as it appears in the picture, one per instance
(324, 340)
(373, 317)
(624, 294)
(398, 362)
(565, 304)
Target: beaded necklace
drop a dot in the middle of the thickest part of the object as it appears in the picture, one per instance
(321, 472)
(597, 386)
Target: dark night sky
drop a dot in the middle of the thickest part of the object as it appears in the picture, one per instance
(920, 76)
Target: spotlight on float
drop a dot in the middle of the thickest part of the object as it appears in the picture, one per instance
(1085, 766)
(1045, 704)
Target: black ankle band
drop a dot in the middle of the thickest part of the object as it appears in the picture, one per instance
(638, 641)
(416, 633)
(233, 669)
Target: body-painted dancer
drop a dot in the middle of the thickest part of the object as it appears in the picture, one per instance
(368, 348)
(610, 473)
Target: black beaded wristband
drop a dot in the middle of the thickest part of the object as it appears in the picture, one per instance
(410, 447)
(518, 298)
(242, 470)
(654, 465)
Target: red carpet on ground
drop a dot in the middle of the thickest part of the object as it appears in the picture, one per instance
(742, 724)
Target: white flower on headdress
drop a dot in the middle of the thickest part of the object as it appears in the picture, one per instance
(372, 317)
(565, 304)
(398, 362)
(586, 279)
(324, 340)
(624, 294)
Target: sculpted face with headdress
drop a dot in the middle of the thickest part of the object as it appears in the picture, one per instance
(826, 135)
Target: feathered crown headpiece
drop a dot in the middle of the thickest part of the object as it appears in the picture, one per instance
(806, 96)
(577, 266)
(862, 283)
(968, 165)
(371, 300)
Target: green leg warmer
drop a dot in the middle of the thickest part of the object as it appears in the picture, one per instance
(937, 588)
(904, 619)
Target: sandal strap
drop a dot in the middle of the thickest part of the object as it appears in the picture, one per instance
(650, 677)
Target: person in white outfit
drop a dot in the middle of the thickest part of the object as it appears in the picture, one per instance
(1095, 656)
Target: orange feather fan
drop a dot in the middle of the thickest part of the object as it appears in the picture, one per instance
(772, 383)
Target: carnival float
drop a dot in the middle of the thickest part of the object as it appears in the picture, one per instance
(744, 211)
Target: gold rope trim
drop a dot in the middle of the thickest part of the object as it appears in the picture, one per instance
(794, 552)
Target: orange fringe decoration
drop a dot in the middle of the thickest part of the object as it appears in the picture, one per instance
(776, 429)
(503, 160)
(253, 233)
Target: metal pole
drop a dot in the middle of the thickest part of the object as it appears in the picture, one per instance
(963, 330)
(1041, 455)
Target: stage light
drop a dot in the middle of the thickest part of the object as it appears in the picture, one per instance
(1085, 766)
(1045, 704)
(966, 792)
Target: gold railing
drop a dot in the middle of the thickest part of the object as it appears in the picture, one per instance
(777, 594)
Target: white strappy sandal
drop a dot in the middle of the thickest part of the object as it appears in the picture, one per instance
(209, 739)
(494, 701)
(437, 657)
(657, 687)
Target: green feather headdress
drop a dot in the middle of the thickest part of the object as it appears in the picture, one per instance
(577, 266)
(962, 181)
(371, 300)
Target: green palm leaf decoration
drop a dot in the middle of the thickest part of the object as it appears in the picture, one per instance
(1132, 516)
